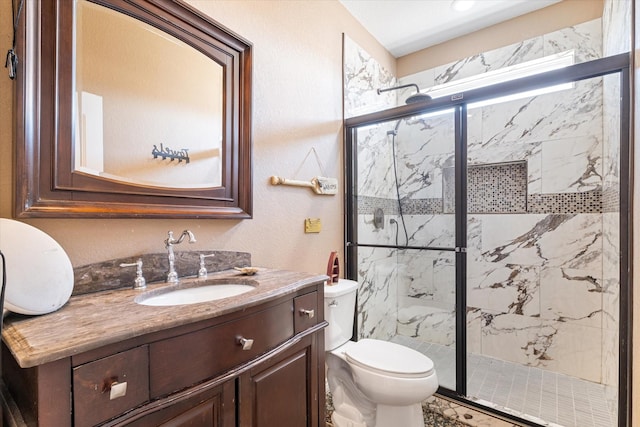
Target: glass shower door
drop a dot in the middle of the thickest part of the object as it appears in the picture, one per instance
(402, 234)
(543, 271)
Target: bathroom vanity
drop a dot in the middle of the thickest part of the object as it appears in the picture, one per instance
(256, 359)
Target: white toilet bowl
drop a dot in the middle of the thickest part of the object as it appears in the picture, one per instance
(373, 383)
(389, 382)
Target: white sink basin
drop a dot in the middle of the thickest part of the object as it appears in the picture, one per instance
(194, 295)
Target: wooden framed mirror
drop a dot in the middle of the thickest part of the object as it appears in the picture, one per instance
(131, 108)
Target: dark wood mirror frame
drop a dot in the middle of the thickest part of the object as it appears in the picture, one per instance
(46, 185)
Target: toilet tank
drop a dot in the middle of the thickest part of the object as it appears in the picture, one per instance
(339, 311)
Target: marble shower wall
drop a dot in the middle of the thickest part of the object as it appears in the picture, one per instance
(535, 279)
(542, 284)
(616, 39)
(363, 75)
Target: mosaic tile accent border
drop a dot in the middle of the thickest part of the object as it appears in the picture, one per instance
(367, 205)
(595, 201)
(565, 203)
(499, 188)
(611, 200)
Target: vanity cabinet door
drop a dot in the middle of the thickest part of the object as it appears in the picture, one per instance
(199, 409)
(283, 391)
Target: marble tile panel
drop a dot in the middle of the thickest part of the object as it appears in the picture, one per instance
(492, 60)
(514, 338)
(416, 275)
(611, 131)
(568, 113)
(430, 230)
(444, 278)
(377, 293)
(506, 289)
(474, 127)
(424, 147)
(572, 241)
(616, 24)
(572, 349)
(514, 238)
(571, 296)
(585, 39)
(427, 324)
(611, 304)
(474, 330)
(363, 75)
(375, 162)
(572, 164)
(575, 243)
(610, 357)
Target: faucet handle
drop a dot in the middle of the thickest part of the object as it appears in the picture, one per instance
(139, 282)
(202, 273)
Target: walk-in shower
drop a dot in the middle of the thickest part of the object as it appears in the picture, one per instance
(502, 256)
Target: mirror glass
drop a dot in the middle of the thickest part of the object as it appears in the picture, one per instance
(142, 112)
(131, 108)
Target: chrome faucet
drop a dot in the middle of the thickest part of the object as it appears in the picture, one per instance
(202, 273)
(139, 282)
(172, 276)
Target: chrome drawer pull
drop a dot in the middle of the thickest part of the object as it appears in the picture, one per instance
(308, 313)
(114, 388)
(245, 343)
(118, 390)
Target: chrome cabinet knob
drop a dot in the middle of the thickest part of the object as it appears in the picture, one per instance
(115, 388)
(308, 313)
(245, 343)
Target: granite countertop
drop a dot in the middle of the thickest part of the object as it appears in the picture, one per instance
(93, 320)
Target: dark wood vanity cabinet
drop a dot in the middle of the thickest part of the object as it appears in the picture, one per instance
(261, 366)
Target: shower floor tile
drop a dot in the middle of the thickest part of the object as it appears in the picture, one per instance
(545, 397)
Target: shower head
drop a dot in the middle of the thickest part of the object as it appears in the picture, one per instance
(416, 97)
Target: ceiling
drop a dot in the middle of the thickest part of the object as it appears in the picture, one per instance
(406, 26)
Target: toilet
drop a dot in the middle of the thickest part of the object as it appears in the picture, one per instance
(373, 383)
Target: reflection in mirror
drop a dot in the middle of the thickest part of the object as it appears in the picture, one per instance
(143, 115)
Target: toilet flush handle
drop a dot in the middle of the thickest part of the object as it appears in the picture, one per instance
(333, 303)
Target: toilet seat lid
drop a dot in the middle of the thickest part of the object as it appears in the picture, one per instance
(388, 357)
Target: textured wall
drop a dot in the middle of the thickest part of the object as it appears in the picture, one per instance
(297, 101)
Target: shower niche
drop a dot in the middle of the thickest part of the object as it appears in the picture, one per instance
(491, 188)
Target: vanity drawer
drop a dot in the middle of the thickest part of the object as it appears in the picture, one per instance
(188, 359)
(107, 387)
(305, 312)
